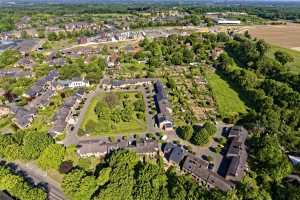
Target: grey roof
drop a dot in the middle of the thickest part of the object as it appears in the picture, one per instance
(41, 100)
(87, 147)
(13, 73)
(143, 147)
(146, 146)
(237, 153)
(199, 169)
(177, 154)
(23, 117)
(39, 85)
(160, 91)
(60, 117)
(169, 147)
(27, 46)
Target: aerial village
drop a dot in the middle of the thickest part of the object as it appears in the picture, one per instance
(124, 103)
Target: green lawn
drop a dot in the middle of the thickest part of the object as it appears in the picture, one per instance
(293, 66)
(94, 125)
(228, 100)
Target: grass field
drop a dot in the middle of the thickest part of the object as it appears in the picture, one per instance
(228, 100)
(94, 125)
(293, 66)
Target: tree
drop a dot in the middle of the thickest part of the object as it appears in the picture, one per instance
(35, 143)
(72, 181)
(17, 187)
(171, 83)
(270, 160)
(186, 132)
(104, 176)
(139, 105)
(210, 128)
(52, 157)
(102, 110)
(262, 47)
(201, 137)
(283, 57)
(188, 56)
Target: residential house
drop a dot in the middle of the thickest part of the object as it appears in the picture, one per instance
(113, 61)
(40, 101)
(42, 84)
(122, 84)
(23, 117)
(82, 40)
(92, 148)
(63, 116)
(74, 83)
(101, 149)
(27, 46)
(14, 73)
(163, 117)
(177, 155)
(237, 154)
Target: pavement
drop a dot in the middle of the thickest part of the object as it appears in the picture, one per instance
(38, 177)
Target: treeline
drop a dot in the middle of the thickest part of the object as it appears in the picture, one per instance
(276, 104)
(286, 12)
(274, 123)
(17, 187)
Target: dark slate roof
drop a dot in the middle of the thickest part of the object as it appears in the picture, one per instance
(219, 182)
(41, 100)
(237, 153)
(160, 91)
(23, 117)
(169, 147)
(177, 154)
(194, 164)
(13, 73)
(39, 85)
(235, 147)
(59, 120)
(199, 168)
(148, 146)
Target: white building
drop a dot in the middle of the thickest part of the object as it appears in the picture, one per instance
(74, 83)
(227, 21)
